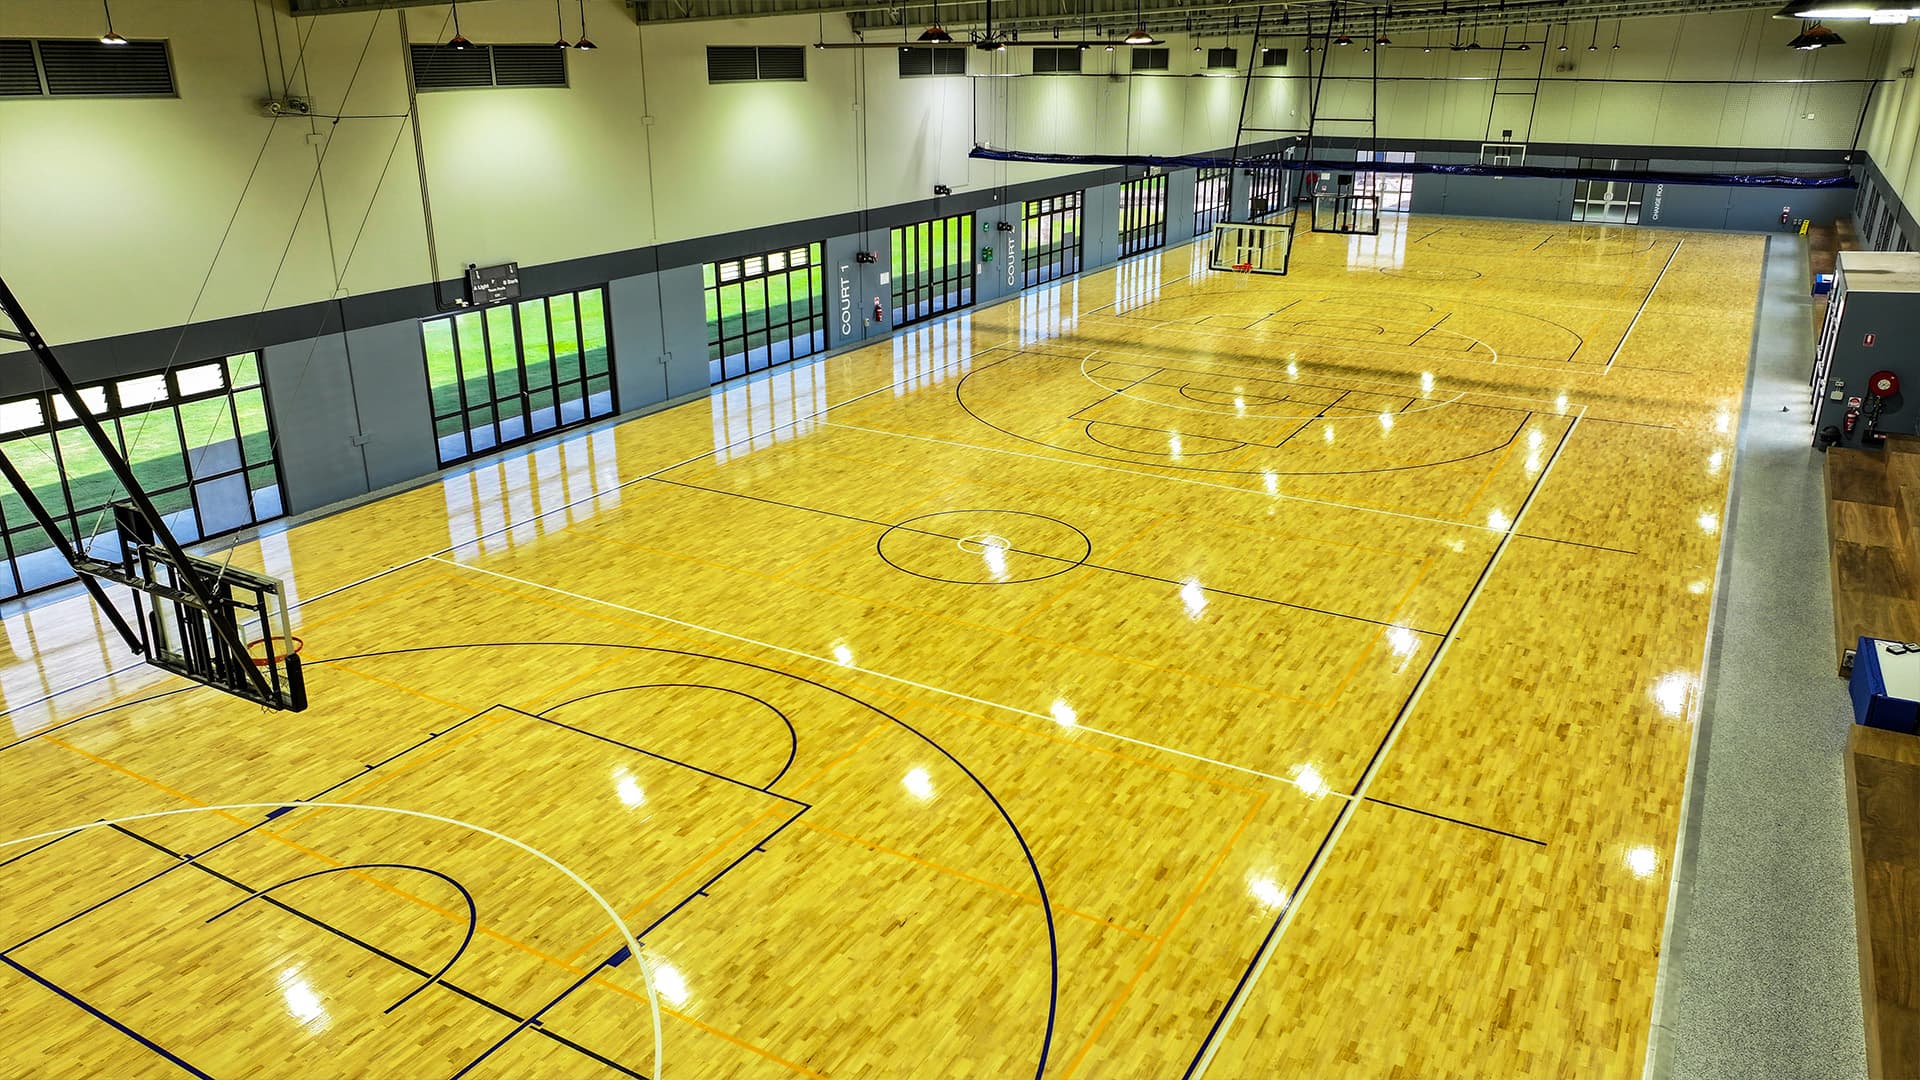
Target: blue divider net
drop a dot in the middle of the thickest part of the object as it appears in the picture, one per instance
(1830, 179)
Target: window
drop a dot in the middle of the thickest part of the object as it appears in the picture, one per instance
(1223, 58)
(84, 68)
(1149, 59)
(932, 268)
(198, 439)
(1266, 189)
(1273, 58)
(1210, 199)
(1050, 237)
(441, 67)
(1614, 201)
(756, 63)
(1051, 61)
(512, 372)
(1143, 214)
(1394, 190)
(928, 60)
(764, 310)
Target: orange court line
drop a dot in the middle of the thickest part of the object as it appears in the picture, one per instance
(717, 849)
(468, 710)
(1374, 641)
(385, 774)
(964, 876)
(556, 691)
(1153, 954)
(1487, 481)
(709, 1029)
(147, 780)
(842, 757)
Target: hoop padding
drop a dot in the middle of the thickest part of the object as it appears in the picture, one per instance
(1251, 248)
(1353, 215)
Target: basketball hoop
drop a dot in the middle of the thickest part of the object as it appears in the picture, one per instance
(267, 651)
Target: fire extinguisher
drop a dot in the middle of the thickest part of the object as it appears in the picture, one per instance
(879, 313)
(1786, 215)
(1853, 414)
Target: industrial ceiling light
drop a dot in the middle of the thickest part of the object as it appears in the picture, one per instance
(560, 22)
(111, 37)
(1343, 40)
(1877, 12)
(1139, 35)
(1814, 37)
(457, 41)
(1616, 34)
(1564, 32)
(585, 44)
(936, 34)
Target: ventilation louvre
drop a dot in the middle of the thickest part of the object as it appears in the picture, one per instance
(732, 63)
(19, 77)
(756, 63)
(928, 61)
(439, 67)
(529, 65)
(90, 69)
(1149, 59)
(1048, 61)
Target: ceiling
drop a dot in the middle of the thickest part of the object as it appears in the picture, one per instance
(1113, 18)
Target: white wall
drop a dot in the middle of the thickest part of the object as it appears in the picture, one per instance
(1893, 122)
(111, 210)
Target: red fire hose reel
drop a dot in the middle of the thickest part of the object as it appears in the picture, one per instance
(1883, 384)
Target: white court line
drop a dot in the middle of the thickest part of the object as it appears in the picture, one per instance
(832, 662)
(1648, 299)
(1294, 902)
(626, 932)
(1122, 391)
(522, 454)
(1174, 363)
(1172, 479)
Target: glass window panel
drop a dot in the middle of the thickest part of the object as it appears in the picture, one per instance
(504, 352)
(593, 328)
(33, 456)
(709, 275)
(566, 337)
(143, 390)
(443, 372)
(473, 355)
(152, 446)
(243, 369)
(93, 397)
(256, 438)
(267, 502)
(37, 562)
(533, 343)
(204, 379)
(223, 503)
(20, 415)
(212, 444)
(89, 482)
(176, 509)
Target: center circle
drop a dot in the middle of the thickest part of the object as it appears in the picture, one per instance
(971, 547)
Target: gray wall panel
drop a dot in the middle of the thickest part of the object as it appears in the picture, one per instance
(991, 276)
(683, 317)
(1180, 196)
(389, 370)
(310, 392)
(1100, 226)
(638, 341)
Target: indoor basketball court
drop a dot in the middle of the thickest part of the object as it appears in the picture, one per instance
(1277, 653)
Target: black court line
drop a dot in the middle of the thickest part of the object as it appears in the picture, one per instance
(1026, 850)
(1230, 444)
(1644, 301)
(104, 1017)
(97, 712)
(1436, 326)
(1111, 393)
(1321, 415)
(38, 847)
(1042, 555)
(653, 754)
(1631, 423)
(1574, 543)
(375, 950)
(960, 399)
(793, 737)
(1458, 821)
(1400, 718)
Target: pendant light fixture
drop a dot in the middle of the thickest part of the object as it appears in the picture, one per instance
(585, 44)
(1593, 44)
(560, 24)
(458, 40)
(111, 37)
(1616, 34)
(936, 34)
(1139, 35)
(1814, 37)
(1564, 32)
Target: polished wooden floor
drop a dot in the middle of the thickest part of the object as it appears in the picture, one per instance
(1165, 672)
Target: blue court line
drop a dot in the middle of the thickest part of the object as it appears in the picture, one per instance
(104, 1017)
